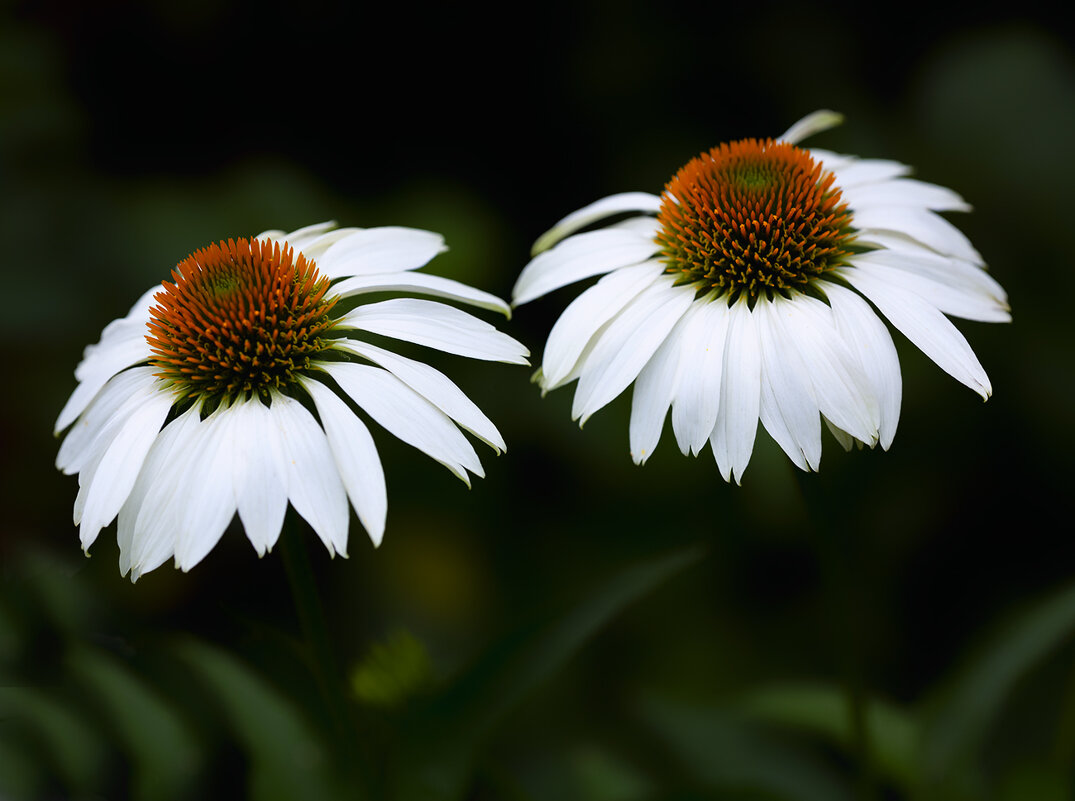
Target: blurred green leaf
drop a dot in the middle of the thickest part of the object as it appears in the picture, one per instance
(1036, 780)
(75, 750)
(825, 711)
(20, 776)
(165, 754)
(958, 719)
(287, 758)
(436, 756)
(604, 776)
(393, 671)
(720, 750)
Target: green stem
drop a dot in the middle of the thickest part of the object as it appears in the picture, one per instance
(841, 564)
(320, 653)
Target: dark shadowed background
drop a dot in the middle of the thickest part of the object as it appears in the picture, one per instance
(573, 627)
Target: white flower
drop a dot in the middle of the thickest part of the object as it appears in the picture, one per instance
(197, 404)
(743, 292)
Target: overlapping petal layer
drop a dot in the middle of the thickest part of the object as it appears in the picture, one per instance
(722, 361)
(176, 469)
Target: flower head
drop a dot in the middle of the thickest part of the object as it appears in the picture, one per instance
(230, 389)
(744, 292)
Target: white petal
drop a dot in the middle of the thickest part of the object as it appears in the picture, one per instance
(829, 160)
(927, 227)
(627, 344)
(299, 234)
(656, 386)
(109, 409)
(853, 172)
(950, 300)
(904, 192)
(313, 481)
(925, 326)
(148, 519)
(843, 392)
(740, 398)
(598, 210)
(955, 273)
(789, 410)
(98, 368)
(587, 313)
(118, 468)
(208, 496)
(697, 399)
(423, 284)
(869, 340)
(436, 325)
(388, 249)
(847, 442)
(645, 227)
(811, 124)
(356, 458)
(436, 388)
(581, 256)
(259, 479)
(407, 415)
(314, 247)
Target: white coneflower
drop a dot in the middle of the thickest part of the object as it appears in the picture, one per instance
(197, 404)
(743, 292)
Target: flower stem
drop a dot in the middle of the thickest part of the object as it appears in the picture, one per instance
(841, 556)
(320, 652)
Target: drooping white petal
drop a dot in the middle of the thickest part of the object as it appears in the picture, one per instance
(843, 392)
(587, 313)
(811, 124)
(259, 479)
(923, 324)
(115, 473)
(114, 402)
(299, 235)
(208, 497)
(356, 457)
(733, 435)
(656, 386)
(98, 368)
(697, 399)
(436, 388)
(581, 256)
(314, 247)
(436, 325)
(313, 240)
(789, 409)
(646, 227)
(964, 276)
(955, 301)
(904, 192)
(627, 344)
(313, 481)
(852, 172)
(388, 249)
(423, 284)
(407, 415)
(847, 442)
(927, 227)
(598, 210)
(869, 340)
(148, 518)
(830, 160)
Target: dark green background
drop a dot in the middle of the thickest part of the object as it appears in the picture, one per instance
(559, 641)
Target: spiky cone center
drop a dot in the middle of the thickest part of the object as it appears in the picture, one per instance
(239, 317)
(755, 217)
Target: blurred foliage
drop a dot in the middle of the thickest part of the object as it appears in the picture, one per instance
(573, 628)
